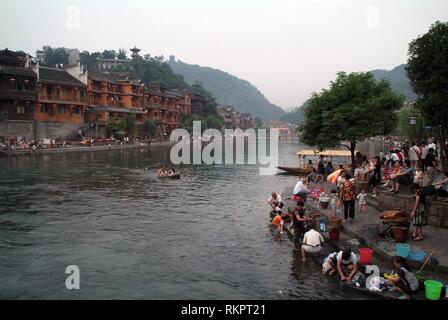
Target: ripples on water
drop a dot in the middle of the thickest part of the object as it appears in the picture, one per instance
(205, 236)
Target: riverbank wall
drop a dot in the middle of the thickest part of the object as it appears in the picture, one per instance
(86, 149)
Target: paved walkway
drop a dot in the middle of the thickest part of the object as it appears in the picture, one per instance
(364, 229)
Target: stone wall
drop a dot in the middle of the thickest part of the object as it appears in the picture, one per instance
(18, 128)
(438, 211)
(48, 130)
(52, 130)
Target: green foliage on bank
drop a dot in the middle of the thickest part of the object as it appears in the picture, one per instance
(355, 107)
(427, 69)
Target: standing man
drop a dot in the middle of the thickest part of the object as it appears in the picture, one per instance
(414, 155)
(298, 220)
(431, 165)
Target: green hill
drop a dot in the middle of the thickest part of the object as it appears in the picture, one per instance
(398, 80)
(295, 115)
(229, 90)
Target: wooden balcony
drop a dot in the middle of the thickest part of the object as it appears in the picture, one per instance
(12, 94)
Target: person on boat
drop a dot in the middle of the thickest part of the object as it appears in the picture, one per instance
(418, 214)
(312, 243)
(301, 189)
(310, 164)
(406, 282)
(161, 170)
(298, 220)
(347, 264)
(330, 264)
(171, 171)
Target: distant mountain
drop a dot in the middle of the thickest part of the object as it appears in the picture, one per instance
(229, 90)
(399, 81)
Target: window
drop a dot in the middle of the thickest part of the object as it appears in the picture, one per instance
(77, 110)
(61, 109)
(44, 109)
(20, 109)
(49, 90)
(82, 95)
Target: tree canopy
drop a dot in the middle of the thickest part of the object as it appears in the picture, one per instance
(355, 107)
(428, 71)
(55, 56)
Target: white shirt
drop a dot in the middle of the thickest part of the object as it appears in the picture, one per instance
(353, 258)
(278, 199)
(362, 198)
(413, 153)
(341, 180)
(300, 187)
(395, 157)
(313, 238)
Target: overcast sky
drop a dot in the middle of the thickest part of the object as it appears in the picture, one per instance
(286, 48)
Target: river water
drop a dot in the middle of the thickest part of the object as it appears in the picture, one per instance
(205, 236)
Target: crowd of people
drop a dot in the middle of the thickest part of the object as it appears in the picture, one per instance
(22, 143)
(412, 164)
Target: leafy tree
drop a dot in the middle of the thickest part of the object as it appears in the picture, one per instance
(89, 60)
(109, 54)
(427, 69)
(404, 129)
(122, 54)
(150, 127)
(55, 56)
(130, 124)
(117, 127)
(355, 107)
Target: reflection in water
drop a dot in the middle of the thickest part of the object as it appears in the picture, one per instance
(204, 236)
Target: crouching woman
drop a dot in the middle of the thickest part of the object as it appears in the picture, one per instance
(406, 282)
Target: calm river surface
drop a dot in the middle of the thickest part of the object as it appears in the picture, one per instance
(205, 236)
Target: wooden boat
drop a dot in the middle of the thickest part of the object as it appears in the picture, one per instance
(384, 295)
(171, 176)
(296, 170)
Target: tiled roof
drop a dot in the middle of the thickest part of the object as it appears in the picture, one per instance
(17, 71)
(58, 76)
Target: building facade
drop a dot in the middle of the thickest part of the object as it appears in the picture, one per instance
(234, 119)
(18, 95)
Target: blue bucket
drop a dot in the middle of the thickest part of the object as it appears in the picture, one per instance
(417, 255)
(402, 249)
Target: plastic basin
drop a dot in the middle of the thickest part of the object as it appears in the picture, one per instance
(417, 255)
(433, 289)
(402, 249)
